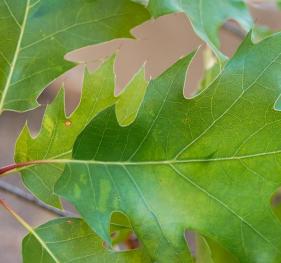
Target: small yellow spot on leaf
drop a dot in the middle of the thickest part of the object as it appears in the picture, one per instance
(67, 123)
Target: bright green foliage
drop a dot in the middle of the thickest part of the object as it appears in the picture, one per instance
(210, 164)
(111, 188)
(212, 69)
(36, 34)
(58, 132)
(208, 251)
(206, 16)
(71, 240)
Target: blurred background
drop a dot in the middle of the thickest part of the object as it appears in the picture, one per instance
(159, 44)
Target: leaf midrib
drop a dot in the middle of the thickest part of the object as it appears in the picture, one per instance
(156, 162)
(15, 58)
(177, 156)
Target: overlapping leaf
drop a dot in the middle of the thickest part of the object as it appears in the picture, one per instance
(71, 240)
(36, 34)
(190, 164)
(206, 16)
(208, 251)
(59, 132)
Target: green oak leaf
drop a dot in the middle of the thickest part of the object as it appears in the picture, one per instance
(206, 16)
(71, 240)
(96, 198)
(210, 164)
(59, 132)
(36, 34)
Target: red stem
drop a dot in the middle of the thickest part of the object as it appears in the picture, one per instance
(4, 204)
(15, 166)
